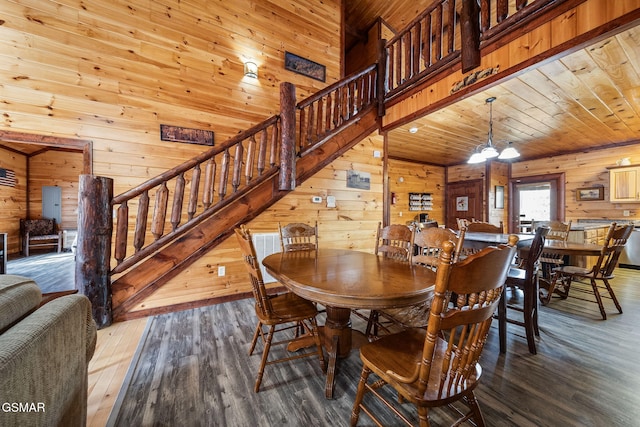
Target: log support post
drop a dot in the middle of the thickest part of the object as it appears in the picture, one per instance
(470, 29)
(287, 180)
(381, 76)
(93, 253)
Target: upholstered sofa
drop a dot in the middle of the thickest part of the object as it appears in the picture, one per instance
(44, 354)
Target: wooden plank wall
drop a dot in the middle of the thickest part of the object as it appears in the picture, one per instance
(59, 169)
(409, 177)
(585, 169)
(113, 71)
(13, 199)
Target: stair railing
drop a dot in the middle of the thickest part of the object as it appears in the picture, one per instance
(332, 109)
(177, 200)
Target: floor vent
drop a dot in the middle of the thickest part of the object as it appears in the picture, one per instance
(266, 244)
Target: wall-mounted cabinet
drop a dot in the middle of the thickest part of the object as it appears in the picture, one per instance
(624, 184)
(420, 201)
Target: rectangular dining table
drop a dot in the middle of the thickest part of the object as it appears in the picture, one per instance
(343, 279)
(479, 240)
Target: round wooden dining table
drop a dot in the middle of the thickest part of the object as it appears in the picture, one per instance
(343, 279)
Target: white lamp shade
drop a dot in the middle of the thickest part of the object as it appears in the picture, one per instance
(489, 152)
(509, 153)
(476, 158)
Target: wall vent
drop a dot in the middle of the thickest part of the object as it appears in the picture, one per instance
(266, 244)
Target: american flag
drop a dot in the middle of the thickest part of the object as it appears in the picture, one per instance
(7, 177)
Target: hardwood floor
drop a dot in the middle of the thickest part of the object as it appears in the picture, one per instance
(583, 375)
(52, 271)
(196, 371)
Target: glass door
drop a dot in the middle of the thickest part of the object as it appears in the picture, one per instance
(539, 198)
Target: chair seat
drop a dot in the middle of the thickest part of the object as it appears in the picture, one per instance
(292, 247)
(400, 353)
(288, 307)
(516, 275)
(414, 316)
(575, 271)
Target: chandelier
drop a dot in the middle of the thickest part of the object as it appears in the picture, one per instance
(487, 151)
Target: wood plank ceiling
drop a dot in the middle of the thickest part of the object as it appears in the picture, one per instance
(586, 100)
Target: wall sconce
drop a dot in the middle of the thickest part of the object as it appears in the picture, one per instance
(251, 70)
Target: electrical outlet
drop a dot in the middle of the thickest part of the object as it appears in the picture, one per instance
(626, 213)
(221, 271)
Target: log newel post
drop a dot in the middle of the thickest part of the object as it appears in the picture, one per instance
(93, 253)
(288, 137)
(381, 76)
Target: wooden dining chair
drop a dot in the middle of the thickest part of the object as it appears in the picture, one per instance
(394, 241)
(558, 230)
(462, 223)
(298, 236)
(428, 245)
(438, 366)
(601, 272)
(523, 280)
(485, 227)
(277, 313)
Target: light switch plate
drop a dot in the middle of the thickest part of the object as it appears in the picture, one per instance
(331, 201)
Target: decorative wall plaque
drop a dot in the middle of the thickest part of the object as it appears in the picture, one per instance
(304, 66)
(181, 134)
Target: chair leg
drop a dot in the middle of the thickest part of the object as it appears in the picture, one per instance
(596, 293)
(256, 334)
(362, 388)
(502, 322)
(612, 295)
(529, 314)
(316, 335)
(475, 409)
(423, 416)
(372, 325)
(265, 356)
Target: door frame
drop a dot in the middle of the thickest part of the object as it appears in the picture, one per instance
(557, 181)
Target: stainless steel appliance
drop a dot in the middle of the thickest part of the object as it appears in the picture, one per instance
(630, 256)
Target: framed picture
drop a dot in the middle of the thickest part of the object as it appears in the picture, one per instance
(499, 196)
(462, 203)
(361, 180)
(304, 66)
(591, 193)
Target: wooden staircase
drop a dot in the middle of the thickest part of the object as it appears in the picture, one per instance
(139, 282)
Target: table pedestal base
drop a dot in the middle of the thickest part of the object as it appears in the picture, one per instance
(339, 339)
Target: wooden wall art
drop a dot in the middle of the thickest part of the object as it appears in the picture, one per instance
(304, 66)
(591, 193)
(181, 134)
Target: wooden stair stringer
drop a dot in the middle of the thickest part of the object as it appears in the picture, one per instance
(133, 286)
